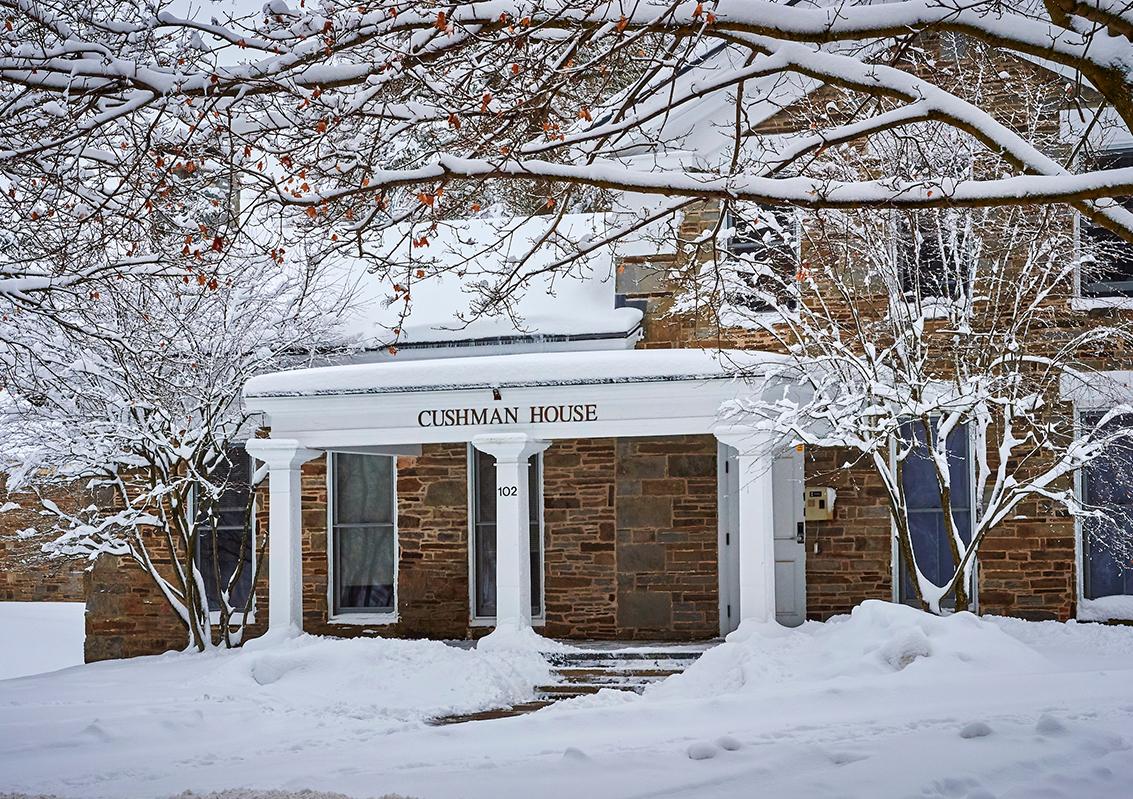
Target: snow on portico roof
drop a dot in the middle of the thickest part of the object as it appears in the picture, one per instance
(511, 371)
(464, 253)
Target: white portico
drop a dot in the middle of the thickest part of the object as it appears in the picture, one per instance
(511, 407)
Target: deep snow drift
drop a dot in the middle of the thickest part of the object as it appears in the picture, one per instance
(887, 702)
(40, 636)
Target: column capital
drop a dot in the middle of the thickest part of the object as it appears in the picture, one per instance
(280, 453)
(509, 447)
(748, 440)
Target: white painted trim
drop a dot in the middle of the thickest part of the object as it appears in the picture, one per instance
(470, 476)
(361, 617)
(1079, 547)
(647, 408)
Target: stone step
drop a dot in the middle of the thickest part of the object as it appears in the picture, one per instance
(565, 690)
(684, 657)
(495, 713)
(596, 675)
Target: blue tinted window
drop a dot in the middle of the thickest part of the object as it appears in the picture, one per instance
(926, 517)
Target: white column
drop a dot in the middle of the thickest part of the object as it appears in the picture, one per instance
(755, 523)
(284, 458)
(513, 525)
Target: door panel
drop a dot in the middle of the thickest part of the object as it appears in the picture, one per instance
(728, 481)
(790, 551)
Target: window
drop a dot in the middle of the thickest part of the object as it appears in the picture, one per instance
(225, 541)
(363, 534)
(1108, 271)
(933, 255)
(926, 517)
(763, 236)
(1106, 484)
(484, 533)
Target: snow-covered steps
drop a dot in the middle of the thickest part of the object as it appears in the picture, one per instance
(589, 671)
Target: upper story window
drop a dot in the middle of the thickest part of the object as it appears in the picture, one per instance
(764, 237)
(1108, 267)
(363, 535)
(933, 254)
(225, 538)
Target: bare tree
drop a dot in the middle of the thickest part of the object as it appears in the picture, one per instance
(147, 410)
(356, 116)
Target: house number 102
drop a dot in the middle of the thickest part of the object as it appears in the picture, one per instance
(508, 491)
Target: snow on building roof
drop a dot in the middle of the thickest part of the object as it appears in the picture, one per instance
(429, 294)
(512, 371)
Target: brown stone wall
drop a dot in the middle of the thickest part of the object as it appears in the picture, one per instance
(848, 558)
(580, 538)
(1027, 567)
(668, 583)
(27, 574)
(126, 615)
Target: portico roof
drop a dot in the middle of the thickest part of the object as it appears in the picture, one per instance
(543, 395)
(512, 371)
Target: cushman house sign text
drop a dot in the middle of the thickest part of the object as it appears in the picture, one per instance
(533, 414)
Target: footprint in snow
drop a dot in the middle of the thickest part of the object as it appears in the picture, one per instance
(728, 743)
(975, 729)
(575, 754)
(1049, 725)
(702, 750)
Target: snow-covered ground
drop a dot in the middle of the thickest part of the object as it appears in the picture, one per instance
(39, 636)
(888, 702)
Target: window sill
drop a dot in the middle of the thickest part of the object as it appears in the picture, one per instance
(1101, 303)
(1106, 608)
(364, 619)
(490, 621)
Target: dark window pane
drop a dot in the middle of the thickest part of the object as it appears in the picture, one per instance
(1109, 271)
(225, 547)
(230, 547)
(1107, 484)
(363, 489)
(766, 237)
(364, 567)
(932, 259)
(365, 549)
(486, 570)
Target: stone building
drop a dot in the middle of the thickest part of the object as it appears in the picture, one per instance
(564, 466)
(27, 574)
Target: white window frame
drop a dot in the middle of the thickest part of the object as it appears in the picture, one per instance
(1079, 410)
(215, 615)
(361, 618)
(895, 547)
(490, 621)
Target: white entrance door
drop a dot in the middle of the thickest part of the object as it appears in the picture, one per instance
(790, 549)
